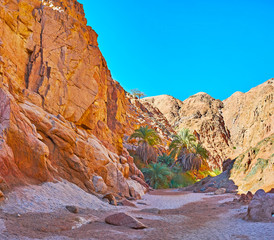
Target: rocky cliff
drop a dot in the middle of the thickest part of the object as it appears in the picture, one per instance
(200, 113)
(249, 116)
(62, 116)
(230, 128)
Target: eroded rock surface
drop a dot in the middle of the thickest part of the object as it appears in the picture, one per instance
(61, 113)
(261, 207)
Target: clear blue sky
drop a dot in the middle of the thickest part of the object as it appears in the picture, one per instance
(181, 47)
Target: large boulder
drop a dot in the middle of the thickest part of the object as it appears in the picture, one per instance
(123, 219)
(261, 207)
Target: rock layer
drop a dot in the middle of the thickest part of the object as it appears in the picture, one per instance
(62, 116)
(200, 113)
(241, 125)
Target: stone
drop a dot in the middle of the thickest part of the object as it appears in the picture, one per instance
(111, 199)
(127, 203)
(72, 209)
(210, 189)
(99, 184)
(123, 219)
(261, 207)
(1, 195)
(220, 191)
(271, 191)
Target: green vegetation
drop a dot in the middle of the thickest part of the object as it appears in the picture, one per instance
(190, 154)
(165, 159)
(172, 169)
(147, 140)
(157, 175)
(137, 93)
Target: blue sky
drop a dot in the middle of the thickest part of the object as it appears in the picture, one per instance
(181, 47)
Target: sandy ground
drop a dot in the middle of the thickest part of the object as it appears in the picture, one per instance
(182, 215)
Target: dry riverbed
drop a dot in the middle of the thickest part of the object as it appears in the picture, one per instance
(36, 213)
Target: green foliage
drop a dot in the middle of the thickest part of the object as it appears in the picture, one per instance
(165, 159)
(146, 135)
(260, 165)
(157, 175)
(147, 139)
(189, 153)
(181, 180)
(199, 150)
(183, 140)
(137, 93)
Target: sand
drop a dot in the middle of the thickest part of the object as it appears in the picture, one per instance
(182, 215)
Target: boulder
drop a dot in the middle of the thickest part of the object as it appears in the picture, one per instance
(261, 207)
(123, 219)
(99, 184)
(111, 199)
(127, 203)
(72, 209)
(220, 191)
(210, 189)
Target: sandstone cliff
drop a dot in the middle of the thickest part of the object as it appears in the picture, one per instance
(249, 116)
(227, 129)
(200, 113)
(62, 116)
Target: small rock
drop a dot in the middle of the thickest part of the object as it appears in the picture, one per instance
(111, 199)
(210, 189)
(1, 194)
(131, 198)
(220, 191)
(249, 195)
(123, 160)
(141, 203)
(123, 219)
(72, 209)
(271, 191)
(127, 203)
(151, 210)
(203, 189)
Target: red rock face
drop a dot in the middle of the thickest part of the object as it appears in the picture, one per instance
(62, 114)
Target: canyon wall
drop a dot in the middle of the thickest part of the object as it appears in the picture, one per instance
(239, 127)
(62, 116)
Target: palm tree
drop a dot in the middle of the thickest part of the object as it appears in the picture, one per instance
(200, 151)
(165, 159)
(181, 142)
(147, 140)
(189, 153)
(157, 174)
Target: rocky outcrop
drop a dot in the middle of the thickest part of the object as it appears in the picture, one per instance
(202, 114)
(51, 58)
(229, 129)
(219, 184)
(62, 116)
(249, 116)
(254, 168)
(261, 207)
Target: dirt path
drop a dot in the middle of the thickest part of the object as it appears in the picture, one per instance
(182, 215)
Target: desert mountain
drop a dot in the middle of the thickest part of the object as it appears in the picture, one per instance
(249, 116)
(202, 114)
(241, 124)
